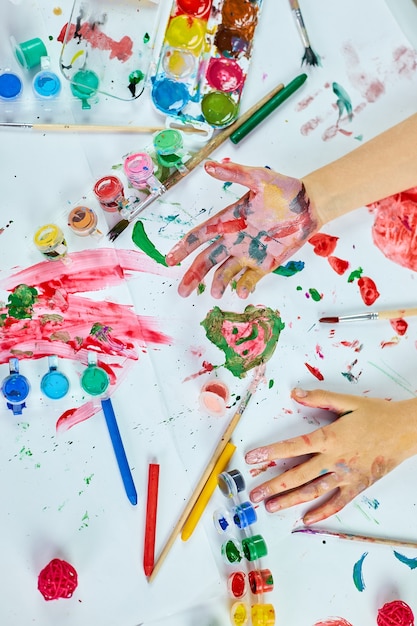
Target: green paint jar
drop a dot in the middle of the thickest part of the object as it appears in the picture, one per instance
(254, 547)
(84, 85)
(232, 551)
(29, 53)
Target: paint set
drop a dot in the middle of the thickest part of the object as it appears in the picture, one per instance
(243, 551)
(204, 59)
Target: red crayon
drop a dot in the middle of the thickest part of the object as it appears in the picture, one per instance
(150, 527)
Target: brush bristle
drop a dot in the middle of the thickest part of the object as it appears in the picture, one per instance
(117, 229)
(310, 57)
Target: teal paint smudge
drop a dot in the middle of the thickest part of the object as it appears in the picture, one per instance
(344, 103)
(358, 574)
(395, 379)
(141, 239)
(411, 563)
(227, 185)
(289, 269)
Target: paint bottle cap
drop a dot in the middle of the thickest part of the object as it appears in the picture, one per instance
(218, 108)
(178, 63)
(84, 85)
(239, 614)
(54, 384)
(263, 615)
(110, 193)
(237, 584)
(94, 380)
(29, 53)
(254, 547)
(244, 514)
(167, 142)
(170, 96)
(232, 551)
(231, 483)
(260, 581)
(83, 222)
(223, 521)
(46, 85)
(10, 86)
(50, 240)
(214, 396)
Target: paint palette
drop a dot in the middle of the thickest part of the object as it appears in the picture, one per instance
(107, 48)
(204, 60)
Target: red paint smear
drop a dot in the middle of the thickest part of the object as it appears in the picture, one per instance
(74, 416)
(395, 226)
(334, 621)
(399, 325)
(121, 50)
(405, 60)
(207, 367)
(315, 371)
(338, 265)
(368, 290)
(389, 344)
(262, 468)
(231, 226)
(323, 244)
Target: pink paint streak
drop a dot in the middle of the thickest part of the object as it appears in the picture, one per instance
(369, 86)
(315, 371)
(121, 50)
(334, 621)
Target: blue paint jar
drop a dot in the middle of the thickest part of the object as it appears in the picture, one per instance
(54, 384)
(15, 388)
(222, 520)
(10, 86)
(244, 515)
(46, 85)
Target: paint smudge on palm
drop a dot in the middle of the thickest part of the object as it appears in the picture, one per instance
(358, 578)
(247, 339)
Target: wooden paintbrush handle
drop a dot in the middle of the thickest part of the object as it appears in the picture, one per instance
(396, 313)
(97, 128)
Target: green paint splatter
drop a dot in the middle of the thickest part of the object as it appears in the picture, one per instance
(289, 269)
(88, 479)
(344, 103)
(299, 288)
(146, 38)
(24, 452)
(356, 274)
(271, 383)
(201, 289)
(20, 303)
(84, 521)
(315, 294)
(24, 425)
(140, 238)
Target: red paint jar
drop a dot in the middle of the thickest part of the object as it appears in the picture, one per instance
(260, 581)
(237, 584)
(110, 193)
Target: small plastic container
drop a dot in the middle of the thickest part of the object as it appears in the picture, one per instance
(231, 551)
(94, 379)
(54, 384)
(231, 483)
(110, 193)
(213, 399)
(254, 547)
(50, 241)
(83, 222)
(260, 581)
(223, 521)
(237, 584)
(263, 615)
(169, 149)
(244, 514)
(11, 86)
(15, 388)
(46, 85)
(139, 170)
(29, 53)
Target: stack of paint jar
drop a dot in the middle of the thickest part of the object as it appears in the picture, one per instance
(243, 551)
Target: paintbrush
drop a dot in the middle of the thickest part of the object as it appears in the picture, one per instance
(209, 148)
(370, 315)
(226, 437)
(353, 537)
(98, 128)
(310, 57)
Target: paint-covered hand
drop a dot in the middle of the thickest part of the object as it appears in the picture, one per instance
(251, 237)
(369, 438)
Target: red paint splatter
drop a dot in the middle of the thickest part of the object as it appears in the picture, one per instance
(315, 371)
(405, 60)
(207, 367)
(261, 469)
(368, 290)
(355, 344)
(334, 621)
(389, 344)
(338, 265)
(399, 325)
(323, 244)
(121, 50)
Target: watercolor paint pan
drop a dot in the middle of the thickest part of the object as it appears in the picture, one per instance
(204, 60)
(107, 47)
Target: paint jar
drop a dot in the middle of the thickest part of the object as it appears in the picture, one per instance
(50, 241)
(169, 149)
(223, 521)
(170, 96)
(239, 614)
(196, 8)
(254, 547)
(29, 53)
(83, 222)
(84, 85)
(231, 551)
(231, 483)
(218, 108)
(110, 193)
(54, 384)
(94, 379)
(178, 63)
(186, 32)
(11, 86)
(237, 584)
(224, 74)
(139, 170)
(46, 85)
(244, 515)
(263, 615)
(214, 396)
(15, 388)
(260, 581)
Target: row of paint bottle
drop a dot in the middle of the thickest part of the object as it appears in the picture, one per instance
(243, 551)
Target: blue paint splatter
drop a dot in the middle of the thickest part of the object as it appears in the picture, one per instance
(289, 269)
(357, 573)
(411, 563)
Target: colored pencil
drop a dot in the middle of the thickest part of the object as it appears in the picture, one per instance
(371, 315)
(119, 450)
(150, 524)
(259, 372)
(310, 57)
(83, 128)
(207, 491)
(354, 537)
(194, 161)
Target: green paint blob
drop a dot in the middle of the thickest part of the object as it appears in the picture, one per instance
(271, 383)
(201, 289)
(314, 294)
(21, 301)
(258, 326)
(289, 269)
(231, 552)
(355, 275)
(344, 103)
(141, 239)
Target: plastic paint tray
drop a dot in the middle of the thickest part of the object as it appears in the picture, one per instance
(108, 47)
(204, 59)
